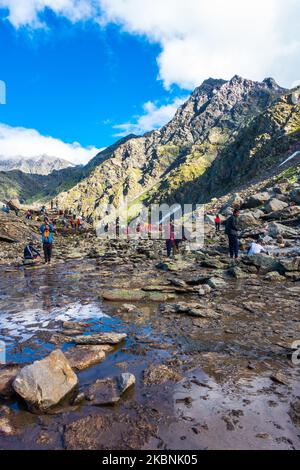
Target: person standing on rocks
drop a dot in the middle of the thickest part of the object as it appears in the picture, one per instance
(47, 239)
(231, 230)
(217, 223)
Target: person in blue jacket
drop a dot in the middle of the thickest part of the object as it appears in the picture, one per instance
(47, 239)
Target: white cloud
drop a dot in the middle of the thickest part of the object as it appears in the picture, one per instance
(27, 12)
(154, 117)
(219, 38)
(198, 38)
(27, 143)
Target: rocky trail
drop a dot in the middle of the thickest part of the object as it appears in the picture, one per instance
(114, 346)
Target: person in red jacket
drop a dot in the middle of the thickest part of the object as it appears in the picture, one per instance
(217, 223)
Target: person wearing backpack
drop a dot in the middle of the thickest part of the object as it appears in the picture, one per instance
(47, 239)
(231, 230)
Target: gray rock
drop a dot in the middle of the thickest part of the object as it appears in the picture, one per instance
(100, 338)
(82, 357)
(256, 200)
(275, 205)
(45, 383)
(290, 264)
(7, 376)
(216, 283)
(109, 391)
(275, 229)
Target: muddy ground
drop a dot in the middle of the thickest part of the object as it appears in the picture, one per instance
(230, 381)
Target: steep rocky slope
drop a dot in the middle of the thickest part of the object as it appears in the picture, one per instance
(180, 152)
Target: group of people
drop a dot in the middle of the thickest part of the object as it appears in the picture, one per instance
(232, 232)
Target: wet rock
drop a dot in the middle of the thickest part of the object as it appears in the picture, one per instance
(82, 357)
(73, 325)
(109, 391)
(7, 376)
(160, 374)
(216, 283)
(275, 205)
(100, 338)
(119, 295)
(45, 383)
(7, 428)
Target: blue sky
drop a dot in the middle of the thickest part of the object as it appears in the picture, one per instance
(88, 71)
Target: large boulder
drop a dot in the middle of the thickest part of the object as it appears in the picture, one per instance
(247, 220)
(275, 229)
(234, 201)
(265, 263)
(290, 264)
(45, 383)
(256, 200)
(295, 195)
(275, 205)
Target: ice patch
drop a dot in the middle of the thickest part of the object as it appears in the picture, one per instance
(26, 323)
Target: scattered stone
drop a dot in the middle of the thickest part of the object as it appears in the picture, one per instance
(157, 375)
(275, 205)
(109, 391)
(204, 290)
(274, 276)
(7, 376)
(279, 378)
(216, 283)
(82, 357)
(45, 383)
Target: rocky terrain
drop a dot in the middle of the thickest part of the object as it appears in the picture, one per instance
(40, 165)
(193, 351)
(158, 165)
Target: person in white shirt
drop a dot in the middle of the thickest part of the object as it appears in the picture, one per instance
(256, 248)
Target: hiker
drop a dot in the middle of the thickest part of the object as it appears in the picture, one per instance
(51, 204)
(72, 223)
(217, 223)
(78, 223)
(256, 248)
(57, 204)
(5, 209)
(31, 253)
(47, 238)
(170, 239)
(231, 230)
